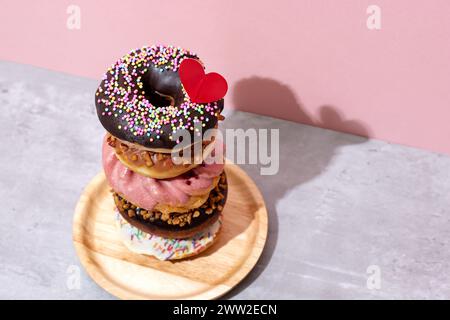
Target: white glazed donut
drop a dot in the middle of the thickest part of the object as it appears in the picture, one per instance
(165, 248)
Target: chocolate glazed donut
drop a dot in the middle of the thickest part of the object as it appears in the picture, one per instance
(202, 217)
(141, 99)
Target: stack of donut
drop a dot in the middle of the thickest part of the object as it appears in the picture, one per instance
(166, 209)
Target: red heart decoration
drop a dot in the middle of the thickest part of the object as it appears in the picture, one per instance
(201, 87)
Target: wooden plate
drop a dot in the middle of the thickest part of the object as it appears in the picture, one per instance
(208, 275)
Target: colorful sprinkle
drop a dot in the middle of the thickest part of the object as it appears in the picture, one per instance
(121, 94)
(165, 248)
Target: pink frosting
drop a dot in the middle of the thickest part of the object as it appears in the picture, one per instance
(146, 192)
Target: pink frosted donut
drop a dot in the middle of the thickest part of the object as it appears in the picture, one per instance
(147, 192)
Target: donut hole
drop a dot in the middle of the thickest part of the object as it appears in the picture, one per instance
(159, 99)
(162, 88)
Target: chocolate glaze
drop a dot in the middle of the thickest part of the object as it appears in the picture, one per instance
(163, 229)
(170, 231)
(155, 80)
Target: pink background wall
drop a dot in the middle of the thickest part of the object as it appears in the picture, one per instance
(309, 61)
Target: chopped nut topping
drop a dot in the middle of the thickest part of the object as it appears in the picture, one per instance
(214, 203)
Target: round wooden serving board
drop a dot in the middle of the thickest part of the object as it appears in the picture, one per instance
(208, 275)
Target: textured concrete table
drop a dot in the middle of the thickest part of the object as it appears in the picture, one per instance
(340, 206)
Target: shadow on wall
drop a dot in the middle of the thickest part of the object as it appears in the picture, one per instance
(277, 100)
(305, 148)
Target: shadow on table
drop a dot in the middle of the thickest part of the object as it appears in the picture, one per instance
(301, 147)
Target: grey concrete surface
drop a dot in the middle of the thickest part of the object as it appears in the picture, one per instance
(339, 204)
